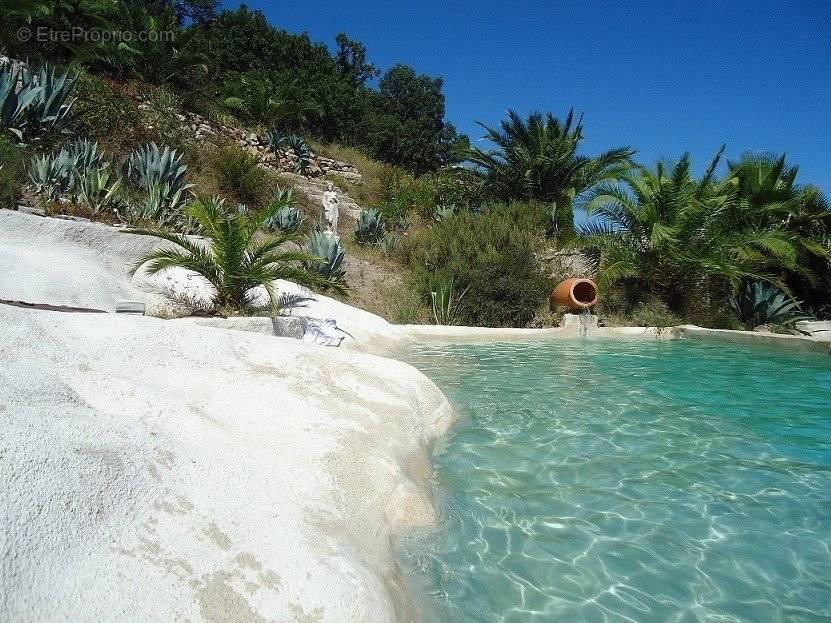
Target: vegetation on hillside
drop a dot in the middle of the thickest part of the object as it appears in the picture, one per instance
(94, 127)
(235, 63)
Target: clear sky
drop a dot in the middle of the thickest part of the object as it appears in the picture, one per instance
(662, 77)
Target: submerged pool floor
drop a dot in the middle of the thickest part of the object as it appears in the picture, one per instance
(628, 481)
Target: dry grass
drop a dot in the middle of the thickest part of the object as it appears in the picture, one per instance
(367, 191)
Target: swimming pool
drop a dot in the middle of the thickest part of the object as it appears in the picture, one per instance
(607, 480)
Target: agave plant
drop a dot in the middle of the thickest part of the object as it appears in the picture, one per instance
(330, 256)
(370, 228)
(388, 244)
(760, 303)
(161, 174)
(52, 102)
(86, 154)
(445, 303)
(163, 206)
(287, 218)
(294, 143)
(442, 212)
(54, 175)
(99, 188)
(148, 165)
(14, 101)
(230, 258)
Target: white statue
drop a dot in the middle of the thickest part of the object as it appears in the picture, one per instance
(330, 209)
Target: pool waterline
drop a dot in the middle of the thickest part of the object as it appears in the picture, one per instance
(628, 480)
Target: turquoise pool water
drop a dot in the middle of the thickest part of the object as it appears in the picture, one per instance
(622, 481)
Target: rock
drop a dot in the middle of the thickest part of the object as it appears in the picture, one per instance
(159, 471)
(289, 326)
(817, 328)
(56, 261)
(27, 209)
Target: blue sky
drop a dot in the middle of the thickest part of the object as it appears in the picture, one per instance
(662, 77)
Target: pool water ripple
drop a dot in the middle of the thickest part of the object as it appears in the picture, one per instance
(625, 481)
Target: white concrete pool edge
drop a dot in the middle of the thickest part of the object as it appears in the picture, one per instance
(461, 334)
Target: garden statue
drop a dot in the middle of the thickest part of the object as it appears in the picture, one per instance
(330, 209)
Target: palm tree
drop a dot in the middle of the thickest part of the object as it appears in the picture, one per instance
(234, 260)
(770, 196)
(536, 160)
(667, 233)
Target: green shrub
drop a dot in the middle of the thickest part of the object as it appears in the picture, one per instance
(401, 194)
(653, 313)
(491, 257)
(240, 176)
(454, 188)
(12, 172)
(104, 112)
(159, 117)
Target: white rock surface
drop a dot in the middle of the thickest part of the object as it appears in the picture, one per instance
(48, 260)
(159, 470)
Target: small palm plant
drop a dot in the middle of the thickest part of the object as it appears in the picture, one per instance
(231, 258)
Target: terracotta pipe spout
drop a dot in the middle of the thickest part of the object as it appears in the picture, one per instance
(576, 294)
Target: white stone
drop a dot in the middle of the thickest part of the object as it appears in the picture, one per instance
(159, 471)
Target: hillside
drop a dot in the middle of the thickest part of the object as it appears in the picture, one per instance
(220, 113)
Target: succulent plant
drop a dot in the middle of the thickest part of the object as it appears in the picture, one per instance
(99, 188)
(445, 302)
(442, 212)
(388, 244)
(370, 228)
(331, 254)
(761, 303)
(86, 154)
(52, 102)
(54, 175)
(162, 205)
(14, 101)
(296, 144)
(287, 218)
(148, 166)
